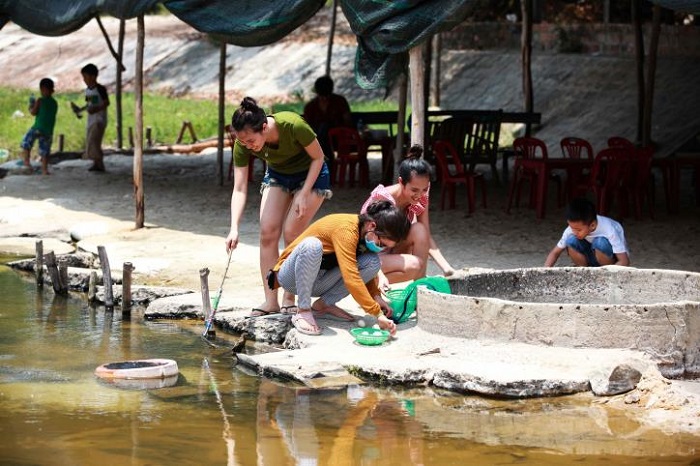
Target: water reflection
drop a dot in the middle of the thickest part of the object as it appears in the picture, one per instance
(53, 410)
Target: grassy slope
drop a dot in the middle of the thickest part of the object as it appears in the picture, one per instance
(163, 114)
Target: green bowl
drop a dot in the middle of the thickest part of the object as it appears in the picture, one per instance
(370, 336)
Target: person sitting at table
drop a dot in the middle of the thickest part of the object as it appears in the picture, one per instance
(337, 256)
(325, 111)
(408, 260)
(591, 240)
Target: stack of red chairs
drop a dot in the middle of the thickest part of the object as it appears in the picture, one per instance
(576, 148)
(350, 151)
(452, 172)
(530, 163)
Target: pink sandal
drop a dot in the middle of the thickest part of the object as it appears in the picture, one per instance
(304, 326)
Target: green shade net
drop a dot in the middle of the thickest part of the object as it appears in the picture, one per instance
(385, 29)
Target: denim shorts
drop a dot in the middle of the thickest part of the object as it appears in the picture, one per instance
(44, 142)
(294, 182)
(582, 246)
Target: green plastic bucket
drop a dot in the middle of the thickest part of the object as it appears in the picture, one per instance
(403, 302)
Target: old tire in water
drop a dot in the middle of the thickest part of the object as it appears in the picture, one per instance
(138, 369)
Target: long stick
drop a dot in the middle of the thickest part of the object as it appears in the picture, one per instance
(226, 434)
(215, 304)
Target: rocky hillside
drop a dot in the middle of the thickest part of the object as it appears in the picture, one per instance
(589, 96)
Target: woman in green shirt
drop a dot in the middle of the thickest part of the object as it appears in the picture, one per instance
(296, 183)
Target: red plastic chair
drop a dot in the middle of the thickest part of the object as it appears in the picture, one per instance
(530, 163)
(576, 148)
(452, 173)
(251, 164)
(611, 178)
(642, 184)
(349, 151)
(619, 141)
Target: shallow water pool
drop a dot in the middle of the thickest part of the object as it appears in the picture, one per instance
(54, 411)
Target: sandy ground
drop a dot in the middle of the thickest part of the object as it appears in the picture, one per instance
(187, 219)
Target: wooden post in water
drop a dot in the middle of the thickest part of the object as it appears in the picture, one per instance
(149, 137)
(206, 300)
(52, 267)
(92, 287)
(39, 263)
(106, 277)
(126, 287)
(63, 277)
(131, 137)
(61, 140)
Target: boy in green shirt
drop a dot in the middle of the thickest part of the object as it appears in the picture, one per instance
(44, 109)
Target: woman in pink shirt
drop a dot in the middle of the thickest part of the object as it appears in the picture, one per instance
(408, 260)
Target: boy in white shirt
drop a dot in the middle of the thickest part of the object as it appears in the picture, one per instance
(591, 240)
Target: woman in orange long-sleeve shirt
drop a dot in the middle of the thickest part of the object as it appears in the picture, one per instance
(336, 256)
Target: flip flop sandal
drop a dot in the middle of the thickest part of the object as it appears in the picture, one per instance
(304, 326)
(257, 312)
(289, 310)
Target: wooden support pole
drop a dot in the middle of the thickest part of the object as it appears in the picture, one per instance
(221, 108)
(436, 69)
(192, 134)
(118, 92)
(109, 44)
(401, 121)
(182, 132)
(106, 277)
(92, 287)
(651, 76)
(61, 141)
(417, 71)
(131, 137)
(526, 56)
(138, 148)
(39, 263)
(126, 287)
(149, 138)
(331, 34)
(639, 64)
(52, 268)
(206, 300)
